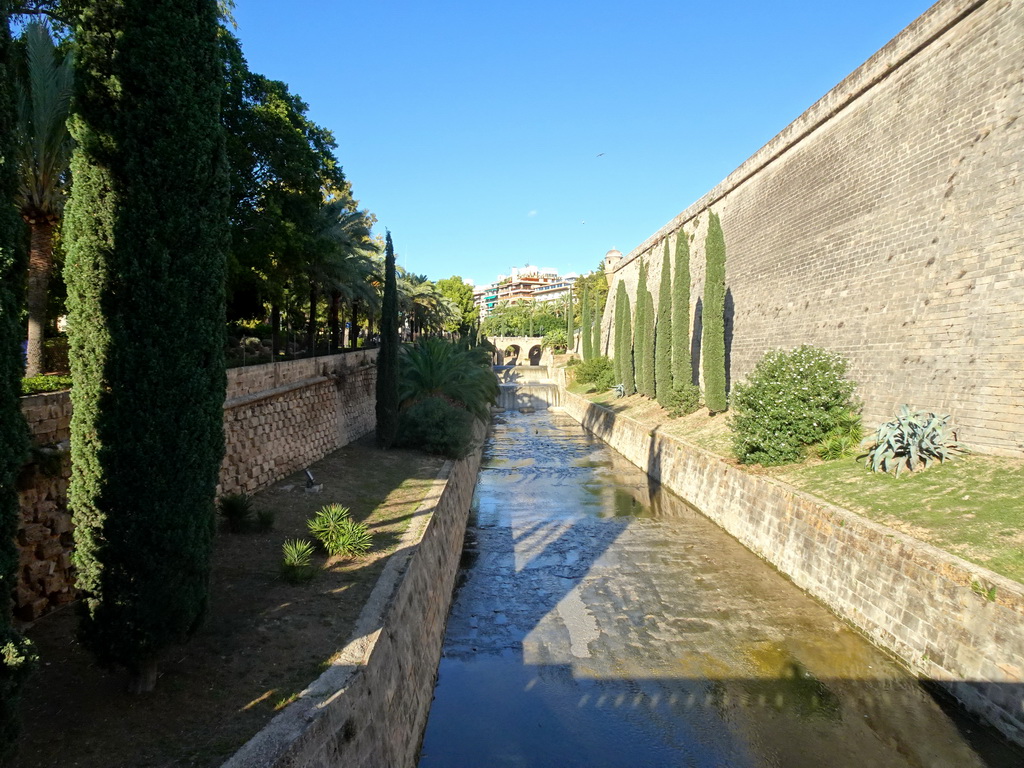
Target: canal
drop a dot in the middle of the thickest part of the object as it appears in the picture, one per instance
(600, 621)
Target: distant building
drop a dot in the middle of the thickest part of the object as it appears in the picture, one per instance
(527, 283)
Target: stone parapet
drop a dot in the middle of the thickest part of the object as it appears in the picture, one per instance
(278, 418)
(948, 620)
(371, 706)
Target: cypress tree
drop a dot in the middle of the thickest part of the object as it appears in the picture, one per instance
(387, 355)
(624, 341)
(596, 341)
(713, 338)
(645, 336)
(663, 334)
(617, 335)
(588, 339)
(569, 341)
(682, 367)
(146, 234)
(15, 658)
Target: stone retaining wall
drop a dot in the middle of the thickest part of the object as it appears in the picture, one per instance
(370, 708)
(927, 607)
(886, 223)
(278, 418)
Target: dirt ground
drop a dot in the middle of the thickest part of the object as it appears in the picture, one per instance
(263, 641)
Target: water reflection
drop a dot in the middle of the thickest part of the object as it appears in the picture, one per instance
(600, 621)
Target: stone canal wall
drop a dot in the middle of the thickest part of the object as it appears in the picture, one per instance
(370, 708)
(278, 418)
(887, 223)
(949, 621)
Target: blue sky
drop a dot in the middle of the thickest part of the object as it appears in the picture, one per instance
(487, 135)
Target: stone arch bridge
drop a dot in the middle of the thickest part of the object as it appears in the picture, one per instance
(520, 350)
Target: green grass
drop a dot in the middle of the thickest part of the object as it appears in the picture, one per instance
(972, 506)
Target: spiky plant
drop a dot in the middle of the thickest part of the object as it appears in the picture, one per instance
(236, 509)
(913, 440)
(297, 561)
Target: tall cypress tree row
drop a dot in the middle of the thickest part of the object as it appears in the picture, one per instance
(387, 356)
(569, 311)
(713, 338)
(14, 651)
(645, 336)
(663, 334)
(146, 235)
(588, 339)
(624, 341)
(682, 367)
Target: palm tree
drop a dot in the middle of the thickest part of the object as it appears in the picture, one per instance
(44, 152)
(438, 368)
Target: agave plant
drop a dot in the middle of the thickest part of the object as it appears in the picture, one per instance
(914, 439)
(236, 509)
(297, 561)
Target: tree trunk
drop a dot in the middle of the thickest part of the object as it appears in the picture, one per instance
(275, 329)
(353, 331)
(311, 327)
(40, 262)
(143, 680)
(334, 321)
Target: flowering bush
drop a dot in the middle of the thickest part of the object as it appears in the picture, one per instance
(791, 400)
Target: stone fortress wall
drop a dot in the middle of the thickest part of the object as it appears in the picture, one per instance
(278, 418)
(887, 223)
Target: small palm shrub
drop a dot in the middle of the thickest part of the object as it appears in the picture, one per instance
(338, 533)
(684, 399)
(913, 440)
(555, 340)
(597, 371)
(436, 426)
(843, 439)
(791, 400)
(265, 520)
(236, 509)
(297, 561)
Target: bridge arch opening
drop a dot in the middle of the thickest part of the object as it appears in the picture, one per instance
(511, 354)
(535, 353)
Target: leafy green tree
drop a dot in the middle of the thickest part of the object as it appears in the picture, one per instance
(44, 151)
(663, 335)
(387, 355)
(146, 237)
(625, 371)
(585, 332)
(461, 296)
(682, 367)
(713, 337)
(14, 652)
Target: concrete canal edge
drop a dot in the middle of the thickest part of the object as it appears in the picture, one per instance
(949, 621)
(370, 707)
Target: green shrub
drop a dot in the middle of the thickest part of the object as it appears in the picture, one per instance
(791, 400)
(236, 509)
(915, 438)
(17, 661)
(297, 563)
(35, 385)
(596, 370)
(684, 399)
(436, 426)
(339, 534)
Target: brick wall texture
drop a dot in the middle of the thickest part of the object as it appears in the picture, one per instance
(924, 605)
(887, 223)
(278, 418)
(371, 707)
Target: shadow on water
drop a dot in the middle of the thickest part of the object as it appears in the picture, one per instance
(599, 620)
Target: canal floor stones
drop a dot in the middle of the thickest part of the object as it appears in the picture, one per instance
(600, 621)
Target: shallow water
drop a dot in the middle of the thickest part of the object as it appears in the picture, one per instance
(600, 621)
